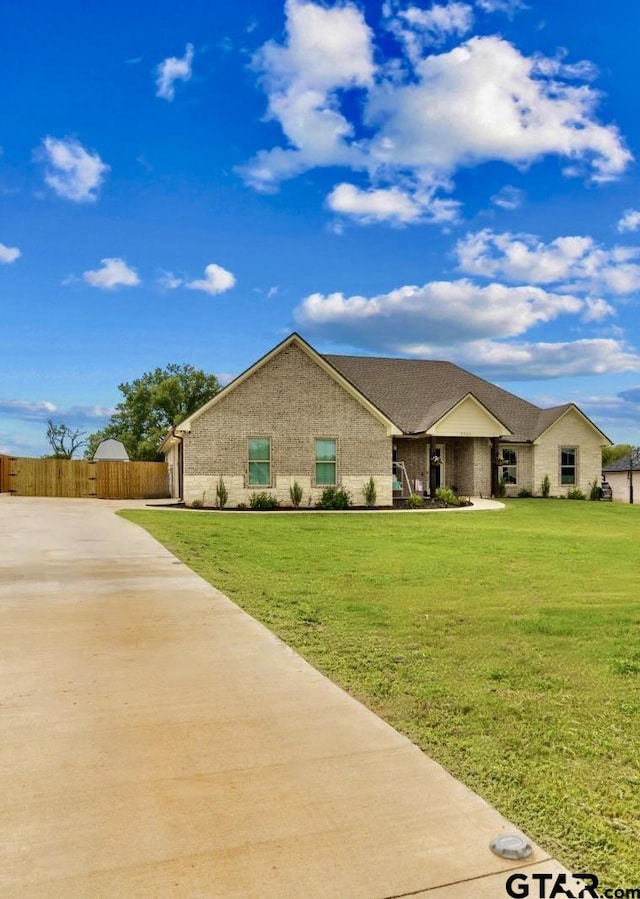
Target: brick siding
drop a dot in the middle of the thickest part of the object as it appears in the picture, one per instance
(293, 401)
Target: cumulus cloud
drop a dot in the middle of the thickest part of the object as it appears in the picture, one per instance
(113, 273)
(439, 312)
(576, 261)
(630, 221)
(171, 70)
(216, 280)
(533, 361)
(8, 254)
(475, 326)
(418, 29)
(412, 123)
(73, 172)
(391, 204)
(327, 50)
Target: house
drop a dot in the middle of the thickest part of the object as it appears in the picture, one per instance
(297, 415)
(623, 476)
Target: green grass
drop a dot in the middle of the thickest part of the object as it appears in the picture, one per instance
(505, 644)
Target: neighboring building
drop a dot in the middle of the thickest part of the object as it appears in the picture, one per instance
(623, 476)
(321, 420)
(111, 450)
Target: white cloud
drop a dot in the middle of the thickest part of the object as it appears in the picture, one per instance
(509, 7)
(114, 273)
(630, 221)
(326, 50)
(486, 101)
(577, 262)
(392, 204)
(41, 410)
(216, 280)
(532, 361)
(473, 326)
(423, 116)
(508, 197)
(8, 254)
(440, 312)
(418, 28)
(73, 172)
(171, 70)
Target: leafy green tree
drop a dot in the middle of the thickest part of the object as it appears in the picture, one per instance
(613, 453)
(63, 440)
(151, 405)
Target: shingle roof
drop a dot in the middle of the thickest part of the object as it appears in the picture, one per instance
(415, 393)
(622, 465)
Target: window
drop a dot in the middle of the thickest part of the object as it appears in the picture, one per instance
(259, 461)
(326, 463)
(510, 467)
(568, 465)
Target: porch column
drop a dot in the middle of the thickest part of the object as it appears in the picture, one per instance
(428, 469)
(495, 450)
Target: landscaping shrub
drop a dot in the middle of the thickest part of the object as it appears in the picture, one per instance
(334, 498)
(595, 491)
(197, 504)
(414, 501)
(222, 494)
(370, 493)
(295, 492)
(447, 496)
(263, 502)
(502, 487)
(524, 493)
(545, 487)
(575, 493)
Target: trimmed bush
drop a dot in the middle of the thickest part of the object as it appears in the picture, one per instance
(575, 493)
(263, 502)
(414, 501)
(447, 496)
(334, 498)
(595, 491)
(525, 493)
(545, 487)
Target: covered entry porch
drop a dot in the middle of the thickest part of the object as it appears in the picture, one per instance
(459, 451)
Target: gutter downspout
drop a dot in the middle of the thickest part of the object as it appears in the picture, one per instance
(180, 463)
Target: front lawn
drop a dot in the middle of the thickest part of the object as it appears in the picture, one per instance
(505, 644)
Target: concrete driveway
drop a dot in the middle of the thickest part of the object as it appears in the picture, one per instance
(158, 742)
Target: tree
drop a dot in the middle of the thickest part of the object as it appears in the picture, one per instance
(613, 453)
(151, 405)
(63, 440)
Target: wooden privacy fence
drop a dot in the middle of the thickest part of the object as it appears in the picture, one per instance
(5, 468)
(71, 477)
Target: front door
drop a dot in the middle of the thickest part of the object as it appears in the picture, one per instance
(436, 468)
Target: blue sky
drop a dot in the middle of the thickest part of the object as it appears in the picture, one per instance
(189, 183)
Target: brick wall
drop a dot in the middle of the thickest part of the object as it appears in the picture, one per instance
(293, 401)
(571, 431)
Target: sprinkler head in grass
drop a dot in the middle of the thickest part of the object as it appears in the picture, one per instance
(511, 845)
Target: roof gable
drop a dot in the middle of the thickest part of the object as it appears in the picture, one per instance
(550, 417)
(324, 364)
(468, 418)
